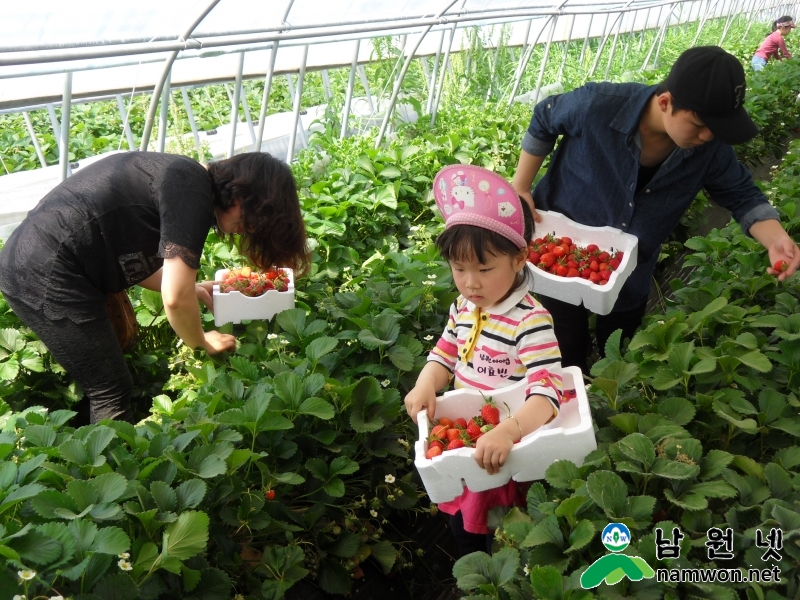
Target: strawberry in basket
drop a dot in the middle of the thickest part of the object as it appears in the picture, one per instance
(253, 284)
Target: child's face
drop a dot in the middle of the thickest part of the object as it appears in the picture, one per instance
(487, 284)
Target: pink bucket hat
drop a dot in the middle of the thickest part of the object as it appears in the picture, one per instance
(470, 195)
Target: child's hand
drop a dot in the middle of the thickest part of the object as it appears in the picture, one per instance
(421, 397)
(492, 450)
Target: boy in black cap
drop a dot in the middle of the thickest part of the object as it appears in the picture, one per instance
(634, 157)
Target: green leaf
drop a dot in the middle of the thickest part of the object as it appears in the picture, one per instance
(672, 469)
(334, 487)
(211, 466)
(48, 501)
(385, 553)
(679, 410)
(22, 493)
(547, 583)
(320, 347)
(561, 474)
(713, 489)
(187, 536)
(247, 369)
(779, 482)
(546, 531)
(74, 451)
(401, 357)
(581, 535)
(164, 496)
(97, 441)
(40, 435)
(687, 501)
(756, 360)
(343, 465)
(333, 577)
(37, 548)
(117, 586)
(110, 486)
(111, 540)
(190, 493)
(607, 490)
(638, 447)
(317, 407)
(83, 492)
(347, 544)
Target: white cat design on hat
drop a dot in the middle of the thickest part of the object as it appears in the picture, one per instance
(461, 194)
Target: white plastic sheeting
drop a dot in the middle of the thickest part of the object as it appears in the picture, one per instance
(121, 36)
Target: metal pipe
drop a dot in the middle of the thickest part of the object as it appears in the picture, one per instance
(606, 33)
(663, 37)
(247, 116)
(349, 94)
(66, 106)
(297, 98)
(655, 41)
(151, 113)
(362, 75)
(613, 49)
(435, 108)
(523, 63)
(51, 111)
(566, 49)
(265, 98)
(126, 126)
(25, 57)
(34, 139)
(237, 90)
(645, 27)
(326, 84)
(545, 56)
(702, 22)
(162, 122)
(190, 115)
(586, 40)
(434, 75)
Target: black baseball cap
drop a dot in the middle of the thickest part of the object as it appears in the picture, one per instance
(711, 82)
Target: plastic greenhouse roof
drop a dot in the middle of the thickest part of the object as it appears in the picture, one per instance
(119, 47)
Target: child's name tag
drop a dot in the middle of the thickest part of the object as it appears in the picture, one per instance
(494, 368)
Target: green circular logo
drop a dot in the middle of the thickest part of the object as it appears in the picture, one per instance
(616, 537)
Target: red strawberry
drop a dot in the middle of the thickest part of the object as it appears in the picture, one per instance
(566, 240)
(534, 257)
(573, 273)
(456, 443)
(603, 257)
(453, 434)
(594, 277)
(433, 451)
(592, 248)
(445, 421)
(473, 430)
(440, 431)
(434, 443)
(460, 422)
(270, 495)
(780, 266)
(614, 263)
(490, 413)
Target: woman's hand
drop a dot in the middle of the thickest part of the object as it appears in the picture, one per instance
(205, 293)
(492, 450)
(784, 249)
(216, 342)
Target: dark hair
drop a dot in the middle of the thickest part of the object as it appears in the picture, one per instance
(275, 235)
(780, 20)
(676, 106)
(462, 242)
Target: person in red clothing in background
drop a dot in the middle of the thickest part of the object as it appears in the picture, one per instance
(773, 45)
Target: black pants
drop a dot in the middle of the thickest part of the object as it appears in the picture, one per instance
(90, 353)
(571, 324)
(469, 542)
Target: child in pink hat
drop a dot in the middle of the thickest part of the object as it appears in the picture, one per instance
(497, 334)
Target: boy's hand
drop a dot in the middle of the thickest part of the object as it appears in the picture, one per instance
(492, 450)
(420, 398)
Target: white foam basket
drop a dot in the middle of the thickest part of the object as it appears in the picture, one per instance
(599, 299)
(569, 436)
(234, 307)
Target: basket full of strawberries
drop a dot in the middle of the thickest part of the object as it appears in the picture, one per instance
(247, 294)
(579, 264)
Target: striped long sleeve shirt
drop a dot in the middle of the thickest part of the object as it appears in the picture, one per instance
(491, 348)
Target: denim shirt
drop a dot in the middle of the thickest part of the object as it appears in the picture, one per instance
(592, 176)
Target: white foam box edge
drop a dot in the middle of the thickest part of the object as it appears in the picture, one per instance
(234, 307)
(599, 299)
(570, 436)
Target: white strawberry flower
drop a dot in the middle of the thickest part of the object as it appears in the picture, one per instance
(272, 336)
(386, 383)
(428, 338)
(26, 574)
(526, 570)
(373, 512)
(125, 555)
(125, 565)
(389, 479)
(20, 597)
(56, 597)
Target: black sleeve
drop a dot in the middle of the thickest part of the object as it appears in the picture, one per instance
(186, 209)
